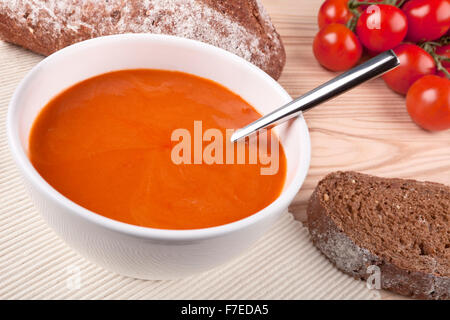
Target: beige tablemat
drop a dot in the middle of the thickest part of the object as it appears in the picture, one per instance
(36, 264)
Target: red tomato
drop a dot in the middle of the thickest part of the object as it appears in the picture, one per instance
(428, 103)
(364, 6)
(336, 47)
(427, 19)
(334, 11)
(442, 74)
(381, 27)
(444, 51)
(414, 64)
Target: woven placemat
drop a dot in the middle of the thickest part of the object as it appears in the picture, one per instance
(36, 264)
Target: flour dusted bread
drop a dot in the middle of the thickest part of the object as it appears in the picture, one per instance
(239, 26)
(401, 226)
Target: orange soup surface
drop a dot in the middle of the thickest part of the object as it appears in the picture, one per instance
(105, 143)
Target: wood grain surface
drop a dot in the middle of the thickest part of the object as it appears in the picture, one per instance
(367, 129)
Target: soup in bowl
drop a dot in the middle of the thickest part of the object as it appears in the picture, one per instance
(152, 148)
(123, 142)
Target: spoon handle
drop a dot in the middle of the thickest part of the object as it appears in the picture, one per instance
(342, 83)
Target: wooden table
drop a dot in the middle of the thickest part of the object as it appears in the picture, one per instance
(366, 130)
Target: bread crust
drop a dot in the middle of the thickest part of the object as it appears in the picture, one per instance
(239, 26)
(354, 260)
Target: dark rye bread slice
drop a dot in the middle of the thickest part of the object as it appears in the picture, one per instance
(402, 226)
(239, 26)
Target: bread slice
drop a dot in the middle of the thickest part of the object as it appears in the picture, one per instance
(401, 226)
(239, 26)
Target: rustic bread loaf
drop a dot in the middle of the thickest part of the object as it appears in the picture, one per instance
(239, 26)
(401, 226)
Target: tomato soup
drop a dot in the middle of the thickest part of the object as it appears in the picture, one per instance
(106, 144)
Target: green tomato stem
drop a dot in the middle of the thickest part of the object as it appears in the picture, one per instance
(430, 47)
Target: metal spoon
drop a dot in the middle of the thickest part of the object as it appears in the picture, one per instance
(346, 81)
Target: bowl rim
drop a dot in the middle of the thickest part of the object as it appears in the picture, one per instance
(31, 174)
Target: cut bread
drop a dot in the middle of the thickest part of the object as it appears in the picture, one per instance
(239, 26)
(401, 226)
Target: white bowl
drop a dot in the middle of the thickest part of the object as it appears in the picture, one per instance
(132, 250)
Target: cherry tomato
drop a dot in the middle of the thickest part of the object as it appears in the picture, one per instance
(381, 27)
(414, 64)
(428, 103)
(364, 6)
(334, 11)
(336, 47)
(442, 74)
(427, 19)
(445, 52)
